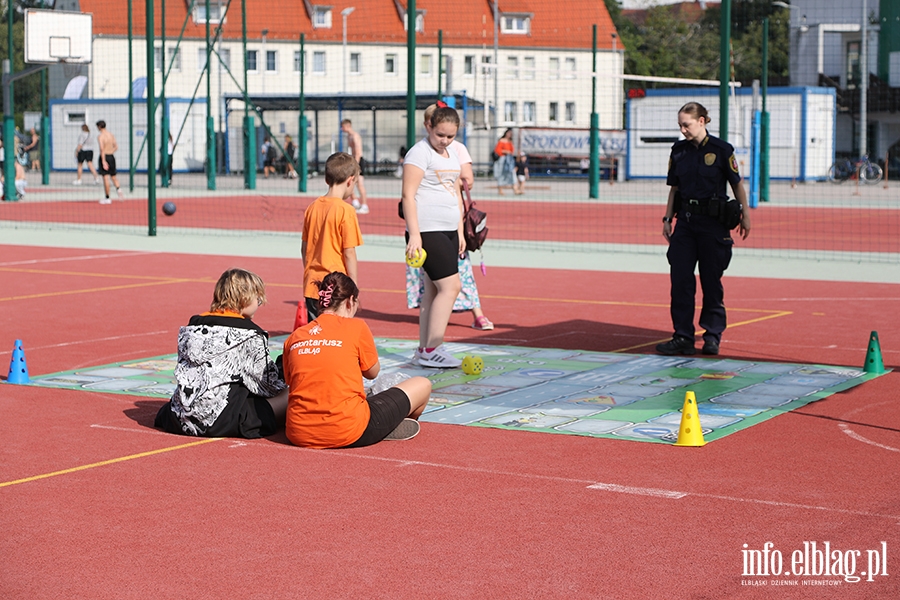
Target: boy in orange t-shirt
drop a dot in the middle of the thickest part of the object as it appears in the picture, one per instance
(330, 230)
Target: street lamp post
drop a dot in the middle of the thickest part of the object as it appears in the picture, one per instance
(344, 14)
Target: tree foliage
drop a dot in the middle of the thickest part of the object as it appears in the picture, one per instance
(666, 45)
(26, 91)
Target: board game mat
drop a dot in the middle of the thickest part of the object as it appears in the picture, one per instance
(609, 395)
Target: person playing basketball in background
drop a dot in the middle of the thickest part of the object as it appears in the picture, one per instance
(107, 162)
(354, 145)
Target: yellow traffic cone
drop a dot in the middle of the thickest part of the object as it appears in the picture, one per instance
(874, 362)
(690, 433)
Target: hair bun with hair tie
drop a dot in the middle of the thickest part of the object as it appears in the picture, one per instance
(325, 295)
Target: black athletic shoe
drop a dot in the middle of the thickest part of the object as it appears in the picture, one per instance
(710, 347)
(677, 345)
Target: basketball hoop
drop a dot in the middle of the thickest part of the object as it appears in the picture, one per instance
(58, 37)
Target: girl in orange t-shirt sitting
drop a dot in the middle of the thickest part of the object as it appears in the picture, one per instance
(324, 363)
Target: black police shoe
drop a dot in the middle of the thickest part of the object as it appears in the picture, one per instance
(710, 346)
(677, 345)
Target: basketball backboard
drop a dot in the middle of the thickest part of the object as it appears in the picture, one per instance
(54, 36)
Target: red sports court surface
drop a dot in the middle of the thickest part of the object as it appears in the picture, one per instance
(845, 229)
(97, 504)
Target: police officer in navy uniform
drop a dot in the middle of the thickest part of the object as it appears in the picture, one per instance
(699, 166)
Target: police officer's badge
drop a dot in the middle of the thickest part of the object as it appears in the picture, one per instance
(709, 159)
(734, 165)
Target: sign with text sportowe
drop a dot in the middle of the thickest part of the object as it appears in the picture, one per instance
(570, 142)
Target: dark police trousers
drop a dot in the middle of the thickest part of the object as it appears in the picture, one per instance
(698, 238)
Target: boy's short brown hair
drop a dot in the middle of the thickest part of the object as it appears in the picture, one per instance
(236, 289)
(339, 167)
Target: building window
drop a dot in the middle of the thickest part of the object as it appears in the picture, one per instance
(321, 17)
(570, 112)
(224, 55)
(75, 118)
(529, 113)
(420, 22)
(528, 71)
(318, 63)
(554, 67)
(515, 24)
(173, 59)
(174, 62)
(425, 65)
(296, 61)
(390, 64)
(469, 65)
(486, 69)
(252, 60)
(355, 60)
(216, 12)
(512, 67)
(554, 112)
(271, 61)
(853, 64)
(509, 112)
(570, 68)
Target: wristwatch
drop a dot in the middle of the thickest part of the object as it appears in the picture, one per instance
(667, 219)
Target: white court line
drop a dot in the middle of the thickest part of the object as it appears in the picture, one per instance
(607, 487)
(64, 259)
(104, 339)
(625, 489)
(846, 429)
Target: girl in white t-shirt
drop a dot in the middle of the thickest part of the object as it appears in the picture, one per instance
(433, 209)
(468, 299)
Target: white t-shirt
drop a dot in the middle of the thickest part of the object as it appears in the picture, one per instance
(85, 141)
(437, 204)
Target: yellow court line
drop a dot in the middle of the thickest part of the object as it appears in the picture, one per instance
(776, 313)
(91, 290)
(783, 313)
(108, 462)
(91, 274)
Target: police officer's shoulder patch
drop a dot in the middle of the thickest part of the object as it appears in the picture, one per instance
(709, 158)
(734, 165)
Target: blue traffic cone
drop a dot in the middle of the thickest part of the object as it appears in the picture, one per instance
(18, 369)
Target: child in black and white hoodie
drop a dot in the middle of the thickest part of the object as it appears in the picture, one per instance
(228, 386)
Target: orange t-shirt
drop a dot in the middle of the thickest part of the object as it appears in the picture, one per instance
(323, 365)
(329, 226)
(503, 147)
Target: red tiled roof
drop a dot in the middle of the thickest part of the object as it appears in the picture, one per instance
(564, 24)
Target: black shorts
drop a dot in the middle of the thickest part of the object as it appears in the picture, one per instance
(110, 162)
(388, 409)
(85, 156)
(442, 258)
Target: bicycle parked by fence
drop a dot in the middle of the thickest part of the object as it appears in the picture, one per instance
(864, 170)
